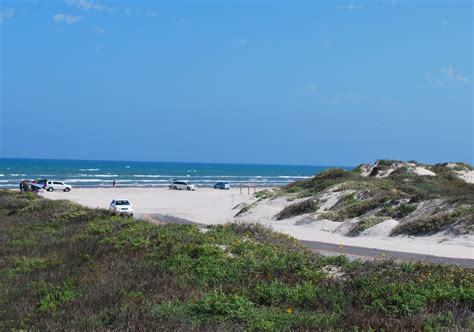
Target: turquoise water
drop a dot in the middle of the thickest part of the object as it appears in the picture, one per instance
(88, 173)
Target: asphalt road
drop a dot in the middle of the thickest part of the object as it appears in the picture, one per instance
(352, 252)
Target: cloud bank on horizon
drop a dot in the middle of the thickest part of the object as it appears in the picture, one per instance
(301, 83)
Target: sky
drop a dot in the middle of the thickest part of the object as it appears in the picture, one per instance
(288, 82)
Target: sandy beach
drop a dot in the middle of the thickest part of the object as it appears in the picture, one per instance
(209, 206)
(205, 205)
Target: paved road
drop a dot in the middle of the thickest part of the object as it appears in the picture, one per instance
(350, 251)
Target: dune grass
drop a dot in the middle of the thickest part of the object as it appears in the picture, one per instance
(67, 267)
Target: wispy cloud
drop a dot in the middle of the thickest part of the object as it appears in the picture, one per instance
(98, 30)
(311, 88)
(433, 81)
(66, 19)
(350, 7)
(87, 5)
(140, 11)
(326, 43)
(6, 13)
(240, 42)
(452, 75)
(444, 23)
(349, 97)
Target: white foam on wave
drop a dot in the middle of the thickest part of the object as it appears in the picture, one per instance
(2, 174)
(294, 177)
(83, 180)
(17, 174)
(96, 175)
(89, 169)
(151, 176)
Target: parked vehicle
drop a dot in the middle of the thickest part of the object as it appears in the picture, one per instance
(182, 185)
(57, 185)
(121, 206)
(222, 185)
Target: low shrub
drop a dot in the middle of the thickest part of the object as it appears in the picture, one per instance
(364, 224)
(293, 210)
(435, 223)
(397, 212)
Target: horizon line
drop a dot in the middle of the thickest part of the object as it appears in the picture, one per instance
(179, 162)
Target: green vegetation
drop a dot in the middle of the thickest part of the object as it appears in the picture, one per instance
(297, 209)
(438, 222)
(263, 194)
(397, 212)
(364, 224)
(65, 267)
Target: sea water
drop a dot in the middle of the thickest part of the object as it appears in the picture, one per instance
(94, 173)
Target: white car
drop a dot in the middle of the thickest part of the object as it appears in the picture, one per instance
(121, 206)
(57, 185)
(182, 185)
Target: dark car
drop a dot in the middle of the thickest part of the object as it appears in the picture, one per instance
(222, 185)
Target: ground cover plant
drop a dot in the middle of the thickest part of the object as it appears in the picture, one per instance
(63, 266)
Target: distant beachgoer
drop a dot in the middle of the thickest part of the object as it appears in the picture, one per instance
(21, 185)
(113, 183)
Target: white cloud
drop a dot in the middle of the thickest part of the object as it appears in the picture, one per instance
(98, 30)
(66, 19)
(6, 13)
(87, 5)
(151, 13)
(240, 43)
(452, 75)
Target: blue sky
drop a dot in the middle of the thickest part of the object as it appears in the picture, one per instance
(329, 83)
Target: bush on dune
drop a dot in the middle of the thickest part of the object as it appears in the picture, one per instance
(293, 210)
(438, 222)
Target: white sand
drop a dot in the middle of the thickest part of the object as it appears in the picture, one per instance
(211, 206)
(203, 205)
(467, 176)
(423, 171)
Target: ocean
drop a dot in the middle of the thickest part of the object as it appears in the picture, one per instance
(93, 173)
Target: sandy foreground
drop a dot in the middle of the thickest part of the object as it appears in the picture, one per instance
(209, 206)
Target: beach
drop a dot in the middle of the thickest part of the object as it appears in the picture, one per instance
(210, 206)
(205, 205)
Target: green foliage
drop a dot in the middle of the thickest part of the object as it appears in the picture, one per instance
(53, 296)
(70, 268)
(364, 224)
(264, 194)
(29, 264)
(307, 206)
(353, 210)
(437, 222)
(397, 212)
